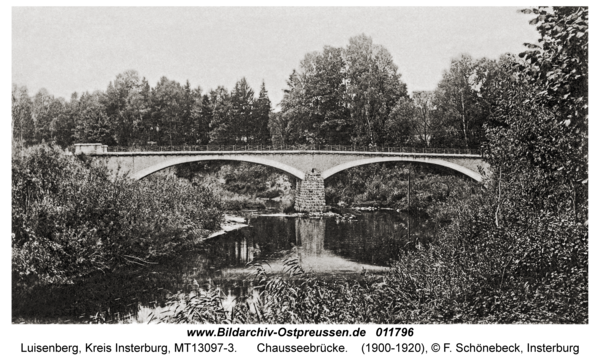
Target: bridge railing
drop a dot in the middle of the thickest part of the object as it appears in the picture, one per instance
(381, 149)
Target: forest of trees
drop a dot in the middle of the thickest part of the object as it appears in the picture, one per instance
(355, 95)
(352, 95)
(130, 112)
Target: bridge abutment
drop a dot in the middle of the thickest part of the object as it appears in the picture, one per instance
(310, 193)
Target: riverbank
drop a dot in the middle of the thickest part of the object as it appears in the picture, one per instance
(74, 222)
(230, 223)
(437, 274)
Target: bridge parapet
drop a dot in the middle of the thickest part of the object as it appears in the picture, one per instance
(90, 148)
(270, 148)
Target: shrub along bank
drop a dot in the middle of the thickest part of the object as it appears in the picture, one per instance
(387, 185)
(473, 272)
(240, 185)
(71, 219)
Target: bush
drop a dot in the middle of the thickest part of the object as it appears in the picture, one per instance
(385, 185)
(70, 219)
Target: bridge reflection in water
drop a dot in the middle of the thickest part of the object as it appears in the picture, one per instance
(328, 248)
(322, 246)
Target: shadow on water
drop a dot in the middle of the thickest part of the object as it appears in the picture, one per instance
(326, 247)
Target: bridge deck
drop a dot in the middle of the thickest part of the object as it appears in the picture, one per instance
(321, 152)
(336, 148)
(298, 161)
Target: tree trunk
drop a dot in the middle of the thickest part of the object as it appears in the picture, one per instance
(499, 195)
(462, 100)
(409, 189)
(408, 205)
(574, 187)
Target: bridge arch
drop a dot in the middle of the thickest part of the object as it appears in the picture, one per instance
(332, 171)
(188, 159)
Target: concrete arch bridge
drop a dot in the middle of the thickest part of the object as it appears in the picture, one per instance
(311, 166)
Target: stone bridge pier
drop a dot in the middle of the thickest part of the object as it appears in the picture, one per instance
(310, 193)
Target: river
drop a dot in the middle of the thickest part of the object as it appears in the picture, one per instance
(326, 247)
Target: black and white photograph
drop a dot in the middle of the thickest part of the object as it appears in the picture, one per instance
(256, 169)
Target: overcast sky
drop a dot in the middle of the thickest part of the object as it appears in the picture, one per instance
(69, 50)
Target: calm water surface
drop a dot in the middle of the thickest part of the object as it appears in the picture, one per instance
(326, 247)
(323, 246)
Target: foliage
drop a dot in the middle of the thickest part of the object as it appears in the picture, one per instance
(418, 122)
(559, 63)
(239, 185)
(126, 105)
(70, 219)
(131, 113)
(93, 124)
(527, 221)
(451, 282)
(22, 120)
(457, 101)
(386, 185)
(342, 95)
(516, 251)
(558, 67)
(279, 128)
(373, 88)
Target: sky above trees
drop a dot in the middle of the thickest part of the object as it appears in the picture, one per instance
(80, 49)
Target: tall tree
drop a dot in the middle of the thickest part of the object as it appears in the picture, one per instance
(425, 122)
(57, 114)
(126, 105)
(343, 95)
(314, 103)
(326, 92)
(279, 129)
(22, 117)
(373, 88)
(142, 111)
(241, 118)
(541, 132)
(399, 125)
(262, 110)
(203, 116)
(221, 131)
(64, 126)
(167, 112)
(456, 98)
(559, 62)
(93, 124)
(189, 123)
(558, 65)
(42, 115)
(296, 106)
